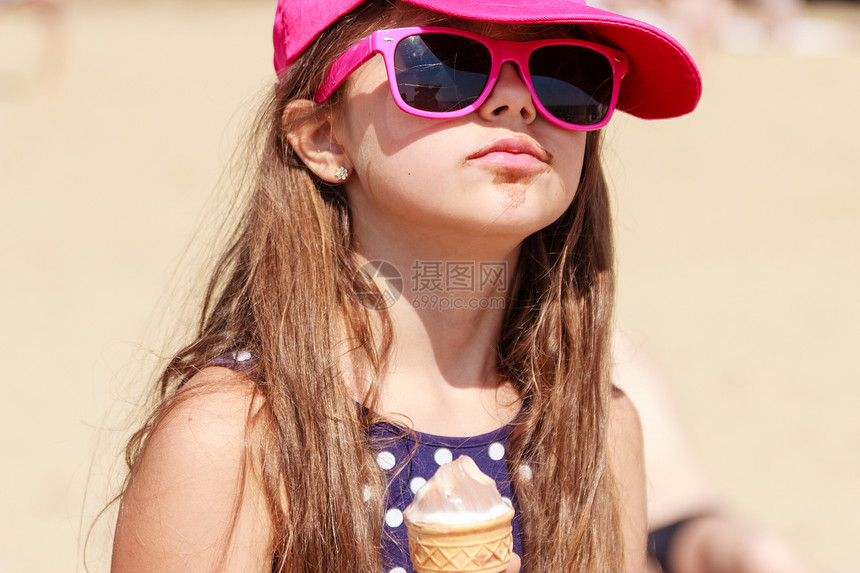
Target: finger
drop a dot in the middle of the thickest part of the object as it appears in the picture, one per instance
(514, 566)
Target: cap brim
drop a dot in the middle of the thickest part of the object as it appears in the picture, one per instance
(662, 81)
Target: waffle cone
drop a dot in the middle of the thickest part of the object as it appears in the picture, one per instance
(481, 547)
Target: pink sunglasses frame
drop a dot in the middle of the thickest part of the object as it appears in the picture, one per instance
(385, 42)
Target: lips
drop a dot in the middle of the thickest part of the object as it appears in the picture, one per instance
(513, 153)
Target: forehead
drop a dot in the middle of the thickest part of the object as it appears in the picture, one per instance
(404, 14)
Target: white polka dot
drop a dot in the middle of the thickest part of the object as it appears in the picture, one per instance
(398, 570)
(242, 356)
(443, 456)
(386, 460)
(368, 493)
(507, 500)
(526, 471)
(417, 483)
(496, 451)
(394, 517)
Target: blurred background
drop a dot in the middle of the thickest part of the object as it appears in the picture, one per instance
(738, 237)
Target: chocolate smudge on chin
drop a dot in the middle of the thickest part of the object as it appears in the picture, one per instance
(513, 186)
(514, 193)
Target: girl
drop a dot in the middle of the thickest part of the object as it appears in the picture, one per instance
(422, 269)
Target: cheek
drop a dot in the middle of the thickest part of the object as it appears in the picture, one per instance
(572, 161)
(362, 105)
(570, 165)
(384, 141)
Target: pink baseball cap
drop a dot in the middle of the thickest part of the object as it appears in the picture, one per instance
(662, 81)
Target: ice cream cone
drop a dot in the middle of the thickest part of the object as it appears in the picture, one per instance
(481, 547)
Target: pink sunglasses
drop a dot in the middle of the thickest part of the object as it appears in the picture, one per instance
(444, 72)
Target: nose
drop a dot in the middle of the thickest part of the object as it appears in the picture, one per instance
(510, 98)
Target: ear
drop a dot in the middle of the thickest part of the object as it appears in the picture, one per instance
(310, 132)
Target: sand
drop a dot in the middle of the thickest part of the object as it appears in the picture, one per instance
(738, 233)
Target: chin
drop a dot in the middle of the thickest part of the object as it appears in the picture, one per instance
(520, 213)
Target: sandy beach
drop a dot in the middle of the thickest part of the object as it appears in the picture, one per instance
(738, 234)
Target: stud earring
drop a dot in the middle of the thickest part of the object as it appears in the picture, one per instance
(341, 174)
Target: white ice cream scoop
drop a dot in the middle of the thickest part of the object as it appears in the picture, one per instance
(457, 493)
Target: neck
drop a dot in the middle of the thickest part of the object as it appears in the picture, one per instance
(442, 372)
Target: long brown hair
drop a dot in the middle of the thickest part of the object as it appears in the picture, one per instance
(287, 289)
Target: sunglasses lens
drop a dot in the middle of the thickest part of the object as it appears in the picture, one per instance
(440, 72)
(574, 83)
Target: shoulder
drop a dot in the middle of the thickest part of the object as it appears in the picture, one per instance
(627, 463)
(625, 434)
(623, 415)
(193, 500)
(208, 416)
(215, 395)
(626, 449)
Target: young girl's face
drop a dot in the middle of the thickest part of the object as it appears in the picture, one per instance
(501, 172)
